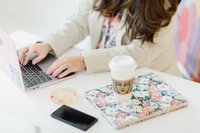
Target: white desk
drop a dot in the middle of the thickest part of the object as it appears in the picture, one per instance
(10, 124)
(36, 106)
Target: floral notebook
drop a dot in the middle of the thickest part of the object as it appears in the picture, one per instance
(151, 97)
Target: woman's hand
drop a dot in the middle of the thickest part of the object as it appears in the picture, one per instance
(41, 49)
(66, 65)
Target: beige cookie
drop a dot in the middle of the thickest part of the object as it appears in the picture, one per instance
(64, 96)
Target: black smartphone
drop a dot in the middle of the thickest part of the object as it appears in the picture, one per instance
(74, 117)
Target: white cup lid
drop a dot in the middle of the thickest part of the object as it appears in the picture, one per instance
(123, 62)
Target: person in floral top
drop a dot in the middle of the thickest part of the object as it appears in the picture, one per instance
(142, 29)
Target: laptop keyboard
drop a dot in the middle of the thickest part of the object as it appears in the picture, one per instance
(33, 75)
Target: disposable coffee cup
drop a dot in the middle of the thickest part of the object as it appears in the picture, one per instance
(122, 74)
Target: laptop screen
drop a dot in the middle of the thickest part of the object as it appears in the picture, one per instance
(9, 59)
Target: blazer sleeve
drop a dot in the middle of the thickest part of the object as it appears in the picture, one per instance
(74, 30)
(97, 60)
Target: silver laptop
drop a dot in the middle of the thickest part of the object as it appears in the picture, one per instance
(29, 77)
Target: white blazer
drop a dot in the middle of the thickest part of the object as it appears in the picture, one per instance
(86, 21)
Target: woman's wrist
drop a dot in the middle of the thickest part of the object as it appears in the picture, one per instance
(82, 60)
(49, 48)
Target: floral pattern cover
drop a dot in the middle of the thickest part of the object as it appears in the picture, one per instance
(151, 97)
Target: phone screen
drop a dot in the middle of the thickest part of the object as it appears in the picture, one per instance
(74, 117)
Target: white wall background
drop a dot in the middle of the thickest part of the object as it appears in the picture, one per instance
(35, 16)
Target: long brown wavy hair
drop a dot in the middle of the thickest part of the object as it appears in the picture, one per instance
(143, 18)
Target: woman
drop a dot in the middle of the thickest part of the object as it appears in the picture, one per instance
(142, 29)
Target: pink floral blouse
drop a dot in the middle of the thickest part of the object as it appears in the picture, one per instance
(109, 31)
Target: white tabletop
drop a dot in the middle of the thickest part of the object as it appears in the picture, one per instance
(36, 106)
(10, 124)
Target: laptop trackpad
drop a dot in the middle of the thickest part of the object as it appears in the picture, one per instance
(47, 62)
